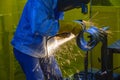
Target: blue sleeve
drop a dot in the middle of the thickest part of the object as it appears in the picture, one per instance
(61, 16)
(42, 19)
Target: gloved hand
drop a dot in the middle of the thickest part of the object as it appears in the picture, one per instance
(71, 26)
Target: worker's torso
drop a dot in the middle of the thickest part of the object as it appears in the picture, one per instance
(24, 39)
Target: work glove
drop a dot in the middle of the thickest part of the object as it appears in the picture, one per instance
(71, 26)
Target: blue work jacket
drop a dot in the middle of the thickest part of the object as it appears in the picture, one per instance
(38, 21)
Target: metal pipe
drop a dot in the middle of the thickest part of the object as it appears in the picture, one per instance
(95, 34)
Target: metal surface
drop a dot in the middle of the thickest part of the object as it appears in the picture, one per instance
(95, 36)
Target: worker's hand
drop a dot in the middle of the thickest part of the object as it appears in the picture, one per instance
(71, 26)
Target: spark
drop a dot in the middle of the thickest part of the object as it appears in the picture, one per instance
(54, 45)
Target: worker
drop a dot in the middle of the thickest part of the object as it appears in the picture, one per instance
(41, 19)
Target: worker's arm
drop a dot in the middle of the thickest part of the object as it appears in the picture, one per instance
(42, 19)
